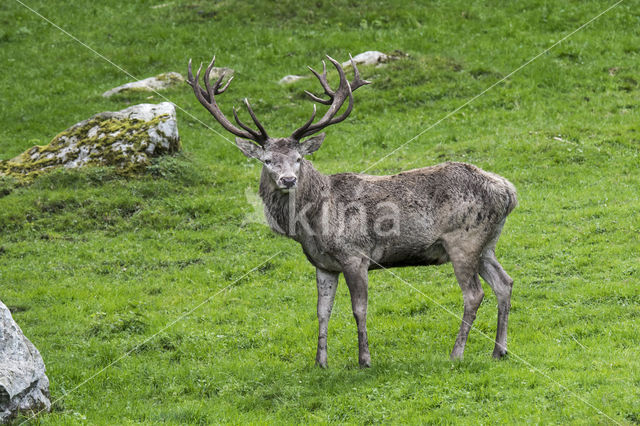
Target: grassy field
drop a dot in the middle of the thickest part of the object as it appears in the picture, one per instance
(93, 264)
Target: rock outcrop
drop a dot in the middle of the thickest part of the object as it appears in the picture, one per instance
(151, 84)
(24, 386)
(125, 139)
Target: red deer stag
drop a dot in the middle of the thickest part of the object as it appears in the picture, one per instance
(350, 223)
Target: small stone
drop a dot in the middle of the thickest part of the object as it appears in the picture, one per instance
(288, 79)
(151, 84)
(24, 386)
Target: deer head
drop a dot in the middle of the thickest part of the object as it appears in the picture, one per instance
(281, 157)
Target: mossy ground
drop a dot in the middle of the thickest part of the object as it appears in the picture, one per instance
(94, 264)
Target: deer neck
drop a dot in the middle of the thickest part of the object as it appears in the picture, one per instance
(306, 199)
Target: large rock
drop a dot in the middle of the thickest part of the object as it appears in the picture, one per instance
(24, 385)
(151, 84)
(125, 139)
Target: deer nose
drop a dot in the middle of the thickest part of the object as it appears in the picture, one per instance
(288, 181)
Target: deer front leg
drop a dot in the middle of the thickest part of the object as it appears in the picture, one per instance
(356, 275)
(327, 284)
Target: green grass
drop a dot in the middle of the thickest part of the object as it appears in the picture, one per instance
(93, 264)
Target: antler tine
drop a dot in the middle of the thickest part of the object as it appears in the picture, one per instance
(337, 99)
(357, 81)
(343, 116)
(218, 91)
(254, 118)
(318, 99)
(190, 79)
(244, 126)
(323, 79)
(216, 87)
(197, 82)
(207, 76)
(344, 88)
(336, 64)
(207, 99)
(209, 68)
(193, 83)
(310, 120)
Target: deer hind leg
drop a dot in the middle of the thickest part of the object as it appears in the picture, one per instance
(501, 284)
(327, 284)
(465, 266)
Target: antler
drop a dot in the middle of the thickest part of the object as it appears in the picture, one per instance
(207, 99)
(336, 99)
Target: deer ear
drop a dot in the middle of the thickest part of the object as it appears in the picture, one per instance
(311, 145)
(249, 148)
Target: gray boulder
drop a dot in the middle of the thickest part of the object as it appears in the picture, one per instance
(125, 139)
(24, 386)
(151, 84)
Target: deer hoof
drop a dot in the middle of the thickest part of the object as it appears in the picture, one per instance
(499, 353)
(365, 363)
(456, 354)
(321, 360)
(321, 363)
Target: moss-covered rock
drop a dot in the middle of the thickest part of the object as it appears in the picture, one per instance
(124, 139)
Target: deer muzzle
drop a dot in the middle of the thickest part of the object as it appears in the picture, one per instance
(288, 181)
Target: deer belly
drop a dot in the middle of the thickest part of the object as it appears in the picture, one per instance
(395, 257)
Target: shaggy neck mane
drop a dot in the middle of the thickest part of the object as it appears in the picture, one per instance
(308, 196)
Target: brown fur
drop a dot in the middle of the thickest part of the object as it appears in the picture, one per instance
(448, 212)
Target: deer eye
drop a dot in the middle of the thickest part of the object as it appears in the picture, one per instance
(267, 162)
(298, 160)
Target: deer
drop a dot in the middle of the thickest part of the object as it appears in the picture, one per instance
(350, 223)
